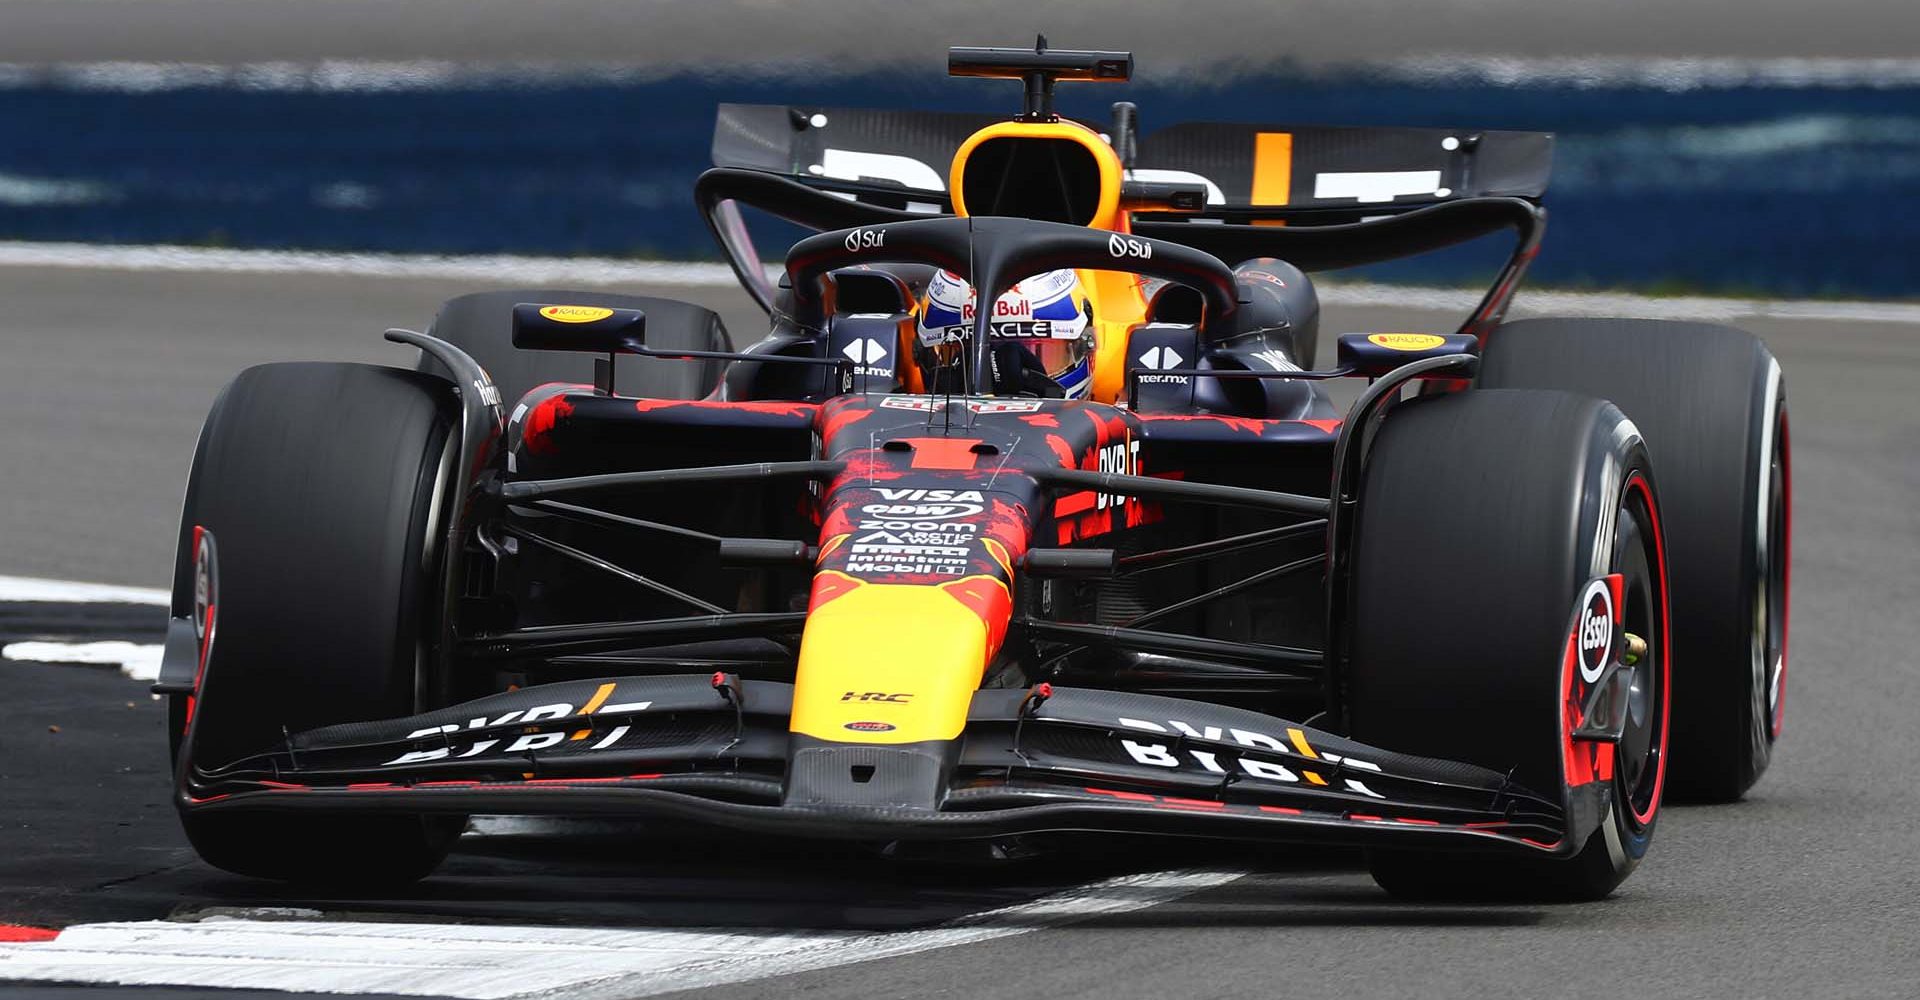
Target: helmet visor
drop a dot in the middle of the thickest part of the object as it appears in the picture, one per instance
(1058, 357)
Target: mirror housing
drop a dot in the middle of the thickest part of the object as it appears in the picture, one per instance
(1376, 354)
(591, 329)
(1162, 196)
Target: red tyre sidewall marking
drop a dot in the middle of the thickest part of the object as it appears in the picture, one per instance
(206, 626)
(1639, 482)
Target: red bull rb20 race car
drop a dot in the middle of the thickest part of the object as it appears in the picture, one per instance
(1031, 512)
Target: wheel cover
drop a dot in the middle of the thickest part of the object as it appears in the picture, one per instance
(1640, 558)
(1770, 605)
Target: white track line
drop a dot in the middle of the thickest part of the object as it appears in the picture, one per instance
(1619, 304)
(584, 270)
(494, 962)
(613, 271)
(26, 588)
(140, 661)
(1682, 73)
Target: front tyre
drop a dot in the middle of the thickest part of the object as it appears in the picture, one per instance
(318, 485)
(1486, 520)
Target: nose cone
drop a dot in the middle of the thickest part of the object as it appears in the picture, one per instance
(895, 663)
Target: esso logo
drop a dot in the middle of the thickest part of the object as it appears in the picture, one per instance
(1122, 247)
(1595, 633)
(203, 585)
(870, 727)
(866, 239)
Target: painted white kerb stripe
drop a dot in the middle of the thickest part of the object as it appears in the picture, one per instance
(494, 962)
(612, 271)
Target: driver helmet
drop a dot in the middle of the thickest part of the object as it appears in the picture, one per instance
(1041, 328)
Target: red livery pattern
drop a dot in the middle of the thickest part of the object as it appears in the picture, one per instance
(536, 431)
(913, 484)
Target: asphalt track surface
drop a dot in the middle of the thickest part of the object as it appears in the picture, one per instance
(1808, 888)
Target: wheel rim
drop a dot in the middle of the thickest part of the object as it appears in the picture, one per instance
(1639, 558)
(1770, 605)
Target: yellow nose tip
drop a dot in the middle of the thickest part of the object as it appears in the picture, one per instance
(889, 663)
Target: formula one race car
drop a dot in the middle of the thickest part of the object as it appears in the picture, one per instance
(1032, 513)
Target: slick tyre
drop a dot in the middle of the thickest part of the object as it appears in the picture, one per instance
(482, 325)
(1483, 518)
(1713, 408)
(307, 556)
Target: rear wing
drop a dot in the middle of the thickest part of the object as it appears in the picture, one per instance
(898, 159)
(1320, 197)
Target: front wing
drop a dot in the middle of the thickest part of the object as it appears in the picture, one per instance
(715, 750)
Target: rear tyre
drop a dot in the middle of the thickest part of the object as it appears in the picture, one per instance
(481, 324)
(318, 484)
(1713, 408)
(1482, 518)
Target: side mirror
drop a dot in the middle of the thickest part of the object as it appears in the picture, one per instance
(1376, 354)
(592, 329)
(1159, 196)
